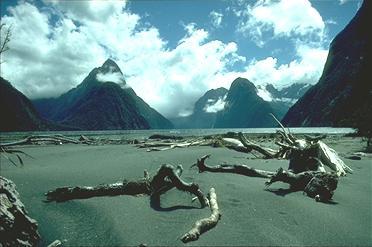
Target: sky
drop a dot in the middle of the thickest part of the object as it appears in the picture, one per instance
(170, 51)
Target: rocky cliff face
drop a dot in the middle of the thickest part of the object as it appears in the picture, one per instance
(244, 108)
(343, 95)
(102, 101)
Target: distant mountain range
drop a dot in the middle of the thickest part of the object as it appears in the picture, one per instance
(102, 101)
(343, 95)
(237, 107)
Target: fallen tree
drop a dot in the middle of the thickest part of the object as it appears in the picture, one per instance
(316, 184)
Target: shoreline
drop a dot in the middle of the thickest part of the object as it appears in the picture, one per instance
(251, 215)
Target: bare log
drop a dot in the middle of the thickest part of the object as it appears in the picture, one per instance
(237, 169)
(268, 153)
(204, 224)
(165, 179)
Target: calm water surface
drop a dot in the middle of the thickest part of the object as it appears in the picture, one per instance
(141, 134)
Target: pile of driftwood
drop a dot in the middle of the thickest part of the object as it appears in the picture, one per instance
(59, 139)
(309, 158)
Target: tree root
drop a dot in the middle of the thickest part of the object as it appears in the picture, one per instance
(238, 169)
(165, 179)
(315, 184)
(204, 224)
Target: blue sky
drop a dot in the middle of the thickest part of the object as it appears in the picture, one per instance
(170, 52)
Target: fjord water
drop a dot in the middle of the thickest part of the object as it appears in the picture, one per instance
(141, 134)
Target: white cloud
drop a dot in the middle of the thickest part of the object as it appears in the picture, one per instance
(46, 58)
(331, 21)
(216, 18)
(111, 76)
(92, 10)
(305, 69)
(341, 2)
(180, 76)
(264, 94)
(284, 18)
(214, 106)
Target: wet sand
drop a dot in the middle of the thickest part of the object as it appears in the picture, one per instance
(251, 215)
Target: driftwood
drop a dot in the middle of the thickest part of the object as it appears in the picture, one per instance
(204, 224)
(55, 139)
(316, 184)
(61, 139)
(237, 169)
(165, 179)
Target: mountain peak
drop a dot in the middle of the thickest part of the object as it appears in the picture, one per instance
(242, 84)
(109, 66)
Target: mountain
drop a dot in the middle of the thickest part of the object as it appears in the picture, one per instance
(244, 108)
(102, 101)
(204, 112)
(282, 99)
(343, 94)
(291, 92)
(17, 111)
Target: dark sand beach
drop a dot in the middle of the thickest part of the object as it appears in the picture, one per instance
(251, 215)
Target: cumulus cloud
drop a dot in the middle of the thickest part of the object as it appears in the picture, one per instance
(306, 68)
(54, 48)
(214, 106)
(216, 18)
(111, 76)
(284, 18)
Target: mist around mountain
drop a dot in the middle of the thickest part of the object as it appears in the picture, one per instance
(343, 95)
(204, 112)
(103, 101)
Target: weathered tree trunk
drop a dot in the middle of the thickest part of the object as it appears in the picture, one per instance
(204, 224)
(237, 169)
(165, 179)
